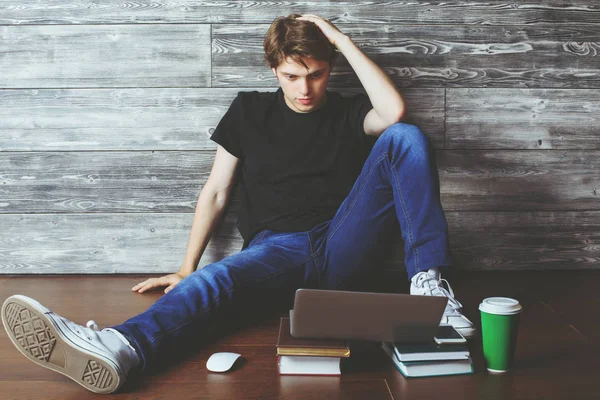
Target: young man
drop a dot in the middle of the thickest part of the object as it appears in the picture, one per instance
(317, 197)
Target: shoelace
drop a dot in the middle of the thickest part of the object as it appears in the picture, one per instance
(91, 325)
(432, 284)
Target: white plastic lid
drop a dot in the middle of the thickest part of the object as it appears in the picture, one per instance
(500, 305)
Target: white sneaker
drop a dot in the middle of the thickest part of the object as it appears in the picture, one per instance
(97, 360)
(428, 284)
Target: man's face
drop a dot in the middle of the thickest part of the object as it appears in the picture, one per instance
(304, 91)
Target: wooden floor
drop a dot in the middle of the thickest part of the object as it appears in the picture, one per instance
(558, 349)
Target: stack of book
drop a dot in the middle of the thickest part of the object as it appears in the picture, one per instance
(297, 356)
(421, 360)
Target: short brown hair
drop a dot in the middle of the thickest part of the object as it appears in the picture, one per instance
(296, 39)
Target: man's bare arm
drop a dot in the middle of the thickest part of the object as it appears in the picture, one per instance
(211, 204)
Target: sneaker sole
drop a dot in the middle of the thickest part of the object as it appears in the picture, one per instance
(44, 341)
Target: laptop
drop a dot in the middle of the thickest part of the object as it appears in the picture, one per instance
(388, 317)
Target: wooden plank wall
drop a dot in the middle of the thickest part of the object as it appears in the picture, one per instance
(106, 111)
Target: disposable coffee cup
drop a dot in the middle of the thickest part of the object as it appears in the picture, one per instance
(499, 327)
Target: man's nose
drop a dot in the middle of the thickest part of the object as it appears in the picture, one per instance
(303, 87)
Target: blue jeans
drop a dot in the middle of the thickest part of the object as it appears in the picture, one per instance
(398, 183)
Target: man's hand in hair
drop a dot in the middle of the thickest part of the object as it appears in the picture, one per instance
(330, 31)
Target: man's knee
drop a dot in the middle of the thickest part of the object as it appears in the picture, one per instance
(404, 137)
(406, 132)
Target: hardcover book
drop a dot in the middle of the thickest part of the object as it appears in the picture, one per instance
(287, 345)
(309, 365)
(431, 351)
(414, 369)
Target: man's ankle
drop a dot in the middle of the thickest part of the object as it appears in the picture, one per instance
(133, 354)
(434, 272)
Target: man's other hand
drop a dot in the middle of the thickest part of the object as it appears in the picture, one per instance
(330, 31)
(170, 281)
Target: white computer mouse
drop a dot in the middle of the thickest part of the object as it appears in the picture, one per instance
(221, 362)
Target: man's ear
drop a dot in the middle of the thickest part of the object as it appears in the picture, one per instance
(274, 71)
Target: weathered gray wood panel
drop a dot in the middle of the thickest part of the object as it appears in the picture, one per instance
(104, 127)
(72, 182)
(103, 243)
(490, 12)
(528, 180)
(156, 243)
(147, 119)
(449, 56)
(523, 119)
(111, 119)
(104, 55)
(525, 240)
(67, 182)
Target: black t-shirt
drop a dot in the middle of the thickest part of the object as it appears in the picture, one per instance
(296, 168)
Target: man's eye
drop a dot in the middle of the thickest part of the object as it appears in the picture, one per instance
(316, 75)
(291, 77)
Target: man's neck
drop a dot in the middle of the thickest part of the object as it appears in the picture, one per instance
(291, 107)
